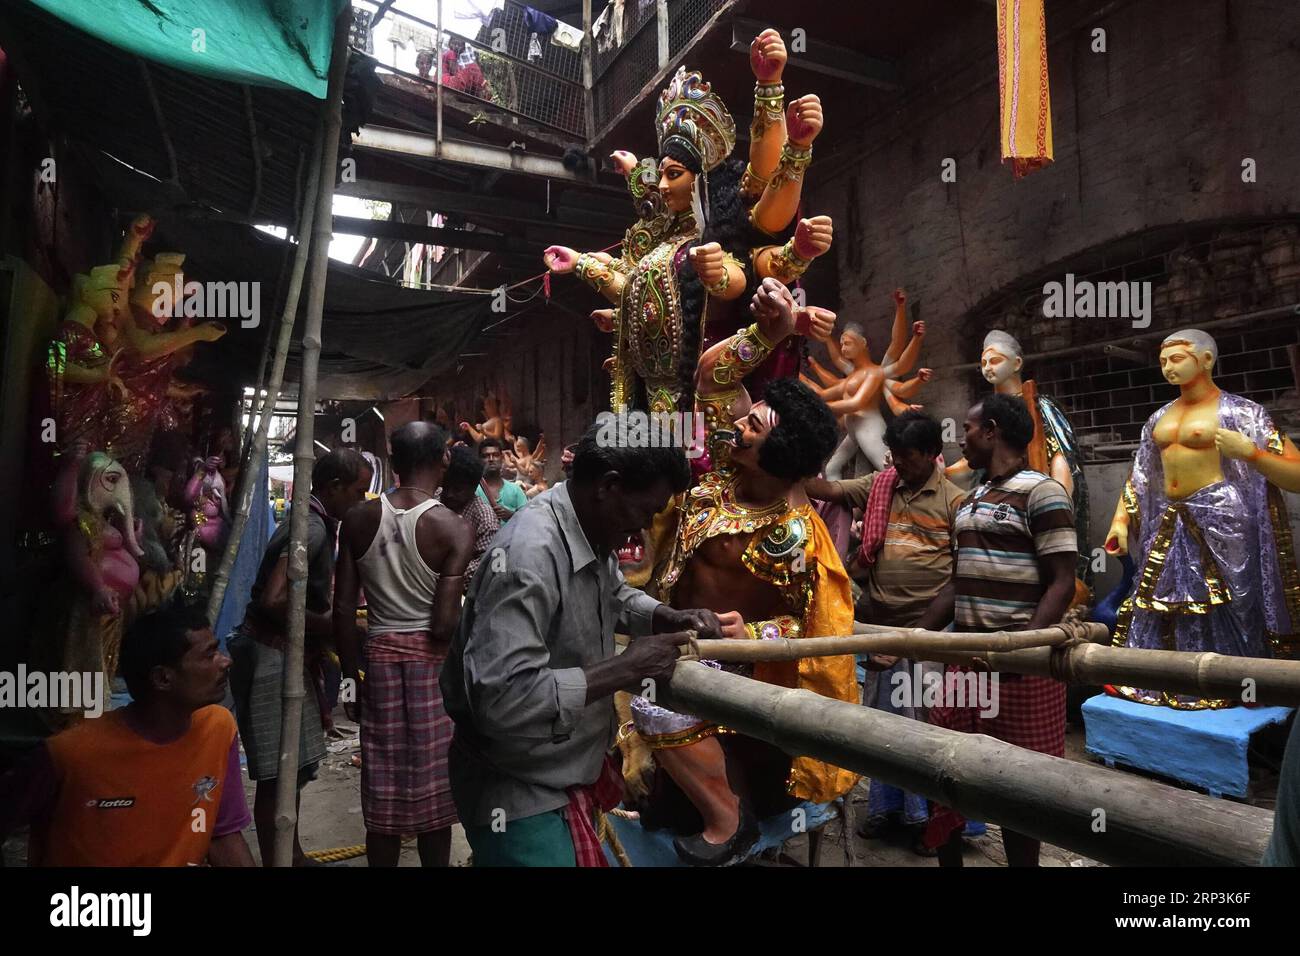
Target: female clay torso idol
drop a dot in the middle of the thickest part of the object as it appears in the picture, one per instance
(698, 243)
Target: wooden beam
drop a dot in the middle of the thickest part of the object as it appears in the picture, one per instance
(521, 242)
(1104, 814)
(591, 219)
(430, 235)
(827, 58)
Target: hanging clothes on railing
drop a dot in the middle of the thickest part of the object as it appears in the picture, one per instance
(602, 30)
(570, 38)
(403, 32)
(541, 24)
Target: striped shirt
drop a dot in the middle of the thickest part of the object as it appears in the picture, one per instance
(1003, 528)
(915, 561)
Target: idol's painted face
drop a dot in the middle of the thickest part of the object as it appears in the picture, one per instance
(1180, 364)
(676, 184)
(997, 368)
(852, 345)
(751, 432)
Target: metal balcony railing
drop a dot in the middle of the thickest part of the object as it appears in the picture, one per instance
(653, 33)
(504, 69)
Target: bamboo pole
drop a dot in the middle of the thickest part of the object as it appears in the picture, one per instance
(1050, 652)
(221, 580)
(286, 815)
(1253, 680)
(1108, 816)
(902, 642)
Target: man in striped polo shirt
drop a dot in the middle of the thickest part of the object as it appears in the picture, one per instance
(1016, 552)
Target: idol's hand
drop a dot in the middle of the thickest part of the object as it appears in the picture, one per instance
(813, 236)
(104, 602)
(1233, 444)
(116, 384)
(767, 56)
(709, 264)
(604, 319)
(143, 225)
(821, 323)
(773, 307)
(918, 329)
(803, 120)
(560, 259)
(624, 162)
(212, 463)
(1117, 539)
(609, 364)
(925, 374)
(733, 626)
(900, 296)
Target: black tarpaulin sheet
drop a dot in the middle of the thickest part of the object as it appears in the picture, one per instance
(378, 340)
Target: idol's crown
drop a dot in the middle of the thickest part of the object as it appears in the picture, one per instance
(691, 115)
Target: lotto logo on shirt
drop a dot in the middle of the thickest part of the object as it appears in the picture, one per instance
(111, 803)
(1002, 512)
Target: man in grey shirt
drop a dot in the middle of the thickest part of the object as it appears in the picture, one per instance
(532, 668)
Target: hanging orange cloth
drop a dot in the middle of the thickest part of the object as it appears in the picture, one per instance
(1026, 107)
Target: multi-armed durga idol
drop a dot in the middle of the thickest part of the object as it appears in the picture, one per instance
(1203, 514)
(707, 227)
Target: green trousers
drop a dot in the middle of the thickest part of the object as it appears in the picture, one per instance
(541, 840)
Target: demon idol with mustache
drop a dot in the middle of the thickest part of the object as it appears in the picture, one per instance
(747, 544)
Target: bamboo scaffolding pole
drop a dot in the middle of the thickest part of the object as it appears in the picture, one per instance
(1073, 654)
(901, 642)
(1103, 814)
(1206, 674)
(247, 480)
(304, 457)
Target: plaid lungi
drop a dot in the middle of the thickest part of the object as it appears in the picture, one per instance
(256, 679)
(405, 735)
(1031, 714)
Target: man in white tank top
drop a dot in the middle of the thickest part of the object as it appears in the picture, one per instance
(409, 553)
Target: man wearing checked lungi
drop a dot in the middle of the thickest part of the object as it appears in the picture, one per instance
(409, 552)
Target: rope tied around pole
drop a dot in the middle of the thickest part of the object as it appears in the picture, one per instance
(1061, 663)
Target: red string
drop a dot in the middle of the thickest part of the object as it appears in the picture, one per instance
(545, 276)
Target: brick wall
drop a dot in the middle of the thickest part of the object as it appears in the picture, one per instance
(1149, 135)
(1146, 184)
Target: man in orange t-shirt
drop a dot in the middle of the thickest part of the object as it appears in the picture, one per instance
(156, 783)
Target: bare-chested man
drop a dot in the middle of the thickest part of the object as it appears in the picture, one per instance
(749, 546)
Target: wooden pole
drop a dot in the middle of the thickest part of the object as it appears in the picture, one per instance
(286, 816)
(1103, 814)
(901, 642)
(257, 448)
(588, 52)
(1253, 680)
